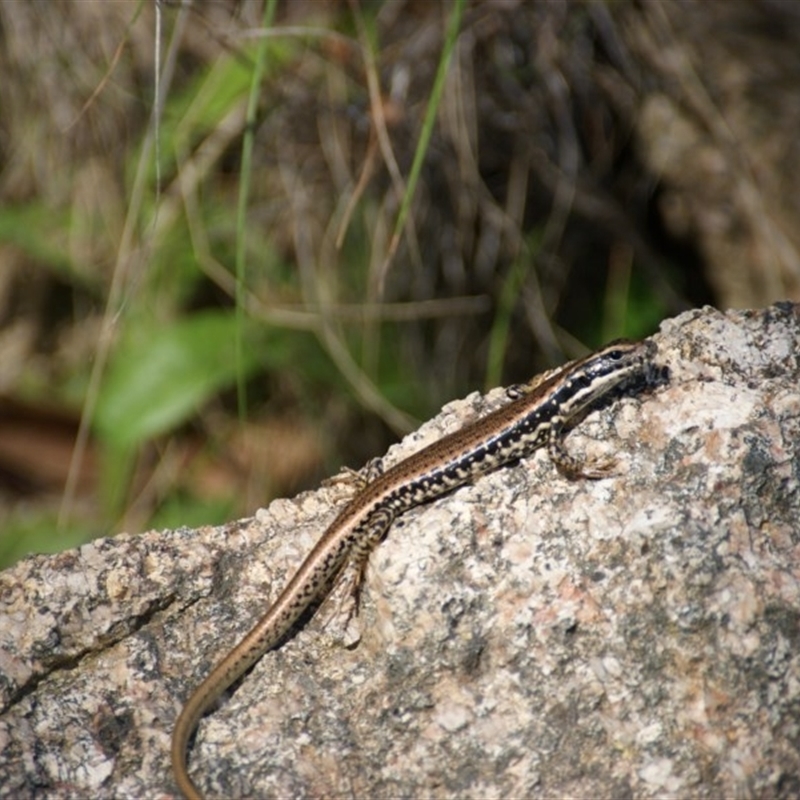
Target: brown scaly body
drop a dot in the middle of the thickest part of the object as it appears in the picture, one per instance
(537, 416)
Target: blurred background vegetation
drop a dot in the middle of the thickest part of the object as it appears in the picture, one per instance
(351, 213)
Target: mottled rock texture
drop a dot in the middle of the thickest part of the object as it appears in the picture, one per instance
(525, 636)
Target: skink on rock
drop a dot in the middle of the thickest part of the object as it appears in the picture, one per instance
(539, 414)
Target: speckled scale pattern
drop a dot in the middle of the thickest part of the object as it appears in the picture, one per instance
(536, 416)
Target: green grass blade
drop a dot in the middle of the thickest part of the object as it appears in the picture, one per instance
(241, 209)
(428, 123)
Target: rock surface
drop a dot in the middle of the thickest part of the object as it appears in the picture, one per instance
(524, 636)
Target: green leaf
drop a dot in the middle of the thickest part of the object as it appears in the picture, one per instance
(197, 110)
(159, 378)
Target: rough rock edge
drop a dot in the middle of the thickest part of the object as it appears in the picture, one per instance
(527, 635)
